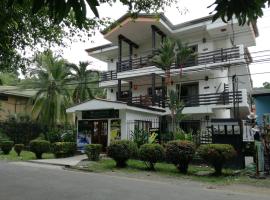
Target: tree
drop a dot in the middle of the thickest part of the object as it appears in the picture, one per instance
(244, 11)
(165, 57)
(9, 78)
(52, 97)
(266, 85)
(176, 107)
(82, 77)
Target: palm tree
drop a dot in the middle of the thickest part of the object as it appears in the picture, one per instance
(176, 107)
(165, 57)
(183, 53)
(52, 97)
(82, 76)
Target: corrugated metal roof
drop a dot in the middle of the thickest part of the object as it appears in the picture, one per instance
(17, 91)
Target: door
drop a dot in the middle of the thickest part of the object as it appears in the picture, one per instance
(100, 132)
(189, 94)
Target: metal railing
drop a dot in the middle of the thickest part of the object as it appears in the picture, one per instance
(108, 76)
(217, 56)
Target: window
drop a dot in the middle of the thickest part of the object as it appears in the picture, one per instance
(142, 125)
(124, 94)
(3, 97)
(189, 93)
(158, 91)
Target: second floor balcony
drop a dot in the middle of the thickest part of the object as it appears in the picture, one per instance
(224, 55)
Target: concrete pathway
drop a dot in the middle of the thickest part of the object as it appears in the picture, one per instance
(70, 161)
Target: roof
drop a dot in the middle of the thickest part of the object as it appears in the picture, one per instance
(260, 92)
(102, 104)
(17, 91)
(105, 46)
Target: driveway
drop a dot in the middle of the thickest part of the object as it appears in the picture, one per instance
(30, 181)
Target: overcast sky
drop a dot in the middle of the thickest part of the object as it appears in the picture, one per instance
(185, 10)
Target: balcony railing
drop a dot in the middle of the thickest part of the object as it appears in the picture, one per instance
(217, 56)
(108, 76)
(223, 98)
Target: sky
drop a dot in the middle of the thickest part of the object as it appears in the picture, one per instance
(184, 10)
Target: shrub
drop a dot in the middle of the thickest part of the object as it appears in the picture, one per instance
(140, 136)
(93, 151)
(69, 136)
(121, 151)
(151, 154)
(180, 153)
(63, 149)
(18, 148)
(217, 155)
(6, 146)
(38, 147)
(54, 136)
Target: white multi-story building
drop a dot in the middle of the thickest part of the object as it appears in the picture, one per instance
(214, 85)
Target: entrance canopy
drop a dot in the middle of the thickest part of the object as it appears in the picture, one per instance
(100, 104)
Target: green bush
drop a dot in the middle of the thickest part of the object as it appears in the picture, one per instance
(6, 146)
(151, 154)
(121, 151)
(217, 155)
(69, 136)
(140, 136)
(93, 151)
(53, 136)
(180, 153)
(18, 148)
(38, 147)
(63, 149)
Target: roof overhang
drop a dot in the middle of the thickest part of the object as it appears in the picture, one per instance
(260, 92)
(100, 104)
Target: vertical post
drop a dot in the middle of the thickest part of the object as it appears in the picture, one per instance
(130, 92)
(130, 56)
(153, 89)
(233, 85)
(163, 92)
(119, 53)
(153, 38)
(119, 89)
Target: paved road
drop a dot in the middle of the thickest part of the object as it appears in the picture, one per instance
(25, 181)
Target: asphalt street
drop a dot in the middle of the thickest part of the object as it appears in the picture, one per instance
(27, 181)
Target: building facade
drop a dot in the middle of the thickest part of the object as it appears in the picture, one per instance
(214, 85)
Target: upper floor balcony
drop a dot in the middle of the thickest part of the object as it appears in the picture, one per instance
(143, 65)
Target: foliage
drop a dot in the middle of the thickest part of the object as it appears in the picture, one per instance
(183, 53)
(61, 135)
(21, 129)
(176, 107)
(38, 147)
(63, 149)
(52, 97)
(25, 155)
(152, 139)
(166, 137)
(266, 85)
(53, 136)
(139, 136)
(58, 10)
(121, 151)
(93, 151)
(18, 148)
(151, 154)
(166, 55)
(9, 78)
(244, 11)
(82, 77)
(6, 146)
(217, 155)
(69, 136)
(182, 135)
(180, 153)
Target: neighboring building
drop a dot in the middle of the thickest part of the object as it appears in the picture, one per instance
(262, 103)
(136, 89)
(14, 100)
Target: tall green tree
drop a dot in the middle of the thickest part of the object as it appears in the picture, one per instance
(82, 78)
(52, 97)
(244, 10)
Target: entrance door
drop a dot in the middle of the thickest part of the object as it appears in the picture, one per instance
(100, 132)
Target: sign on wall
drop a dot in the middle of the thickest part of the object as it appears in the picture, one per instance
(100, 114)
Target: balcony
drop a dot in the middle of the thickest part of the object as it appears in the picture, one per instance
(108, 76)
(145, 101)
(213, 57)
(223, 98)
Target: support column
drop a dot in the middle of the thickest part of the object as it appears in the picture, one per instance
(163, 92)
(119, 53)
(153, 89)
(119, 89)
(130, 56)
(153, 38)
(130, 92)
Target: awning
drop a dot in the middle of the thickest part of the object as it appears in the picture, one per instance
(100, 104)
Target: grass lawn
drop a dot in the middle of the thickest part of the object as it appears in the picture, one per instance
(25, 155)
(195, 172)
